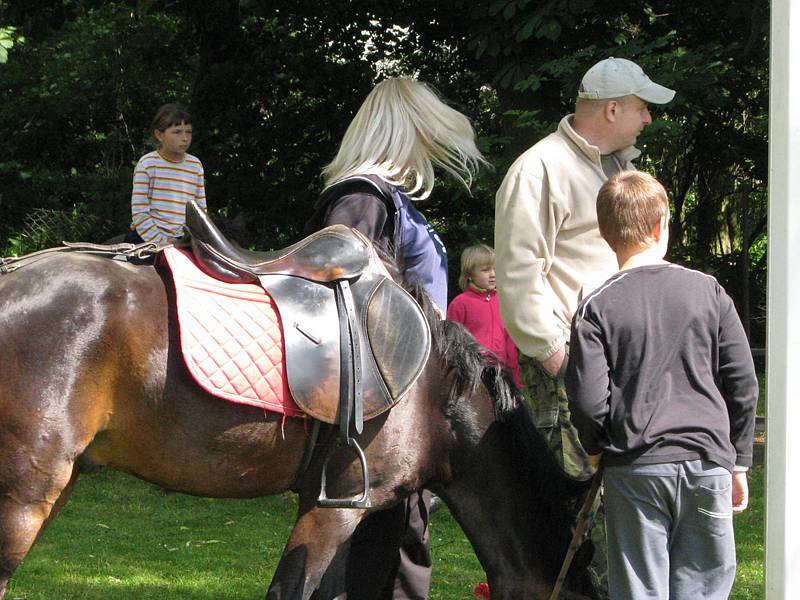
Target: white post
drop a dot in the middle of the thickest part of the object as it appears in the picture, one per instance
(782, 571)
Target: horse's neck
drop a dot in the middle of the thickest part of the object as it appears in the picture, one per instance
(518, 523)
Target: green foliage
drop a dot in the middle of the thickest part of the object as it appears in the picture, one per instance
(81, 97)
(708, 146)
(7, 40)
(272, 87)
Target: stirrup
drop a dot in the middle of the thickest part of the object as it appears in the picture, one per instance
(362, 502)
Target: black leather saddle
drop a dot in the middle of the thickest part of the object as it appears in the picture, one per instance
(355, 341)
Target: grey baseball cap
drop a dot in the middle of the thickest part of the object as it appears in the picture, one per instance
(618, 77)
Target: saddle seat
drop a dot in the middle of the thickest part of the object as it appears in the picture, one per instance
(331, 254)
(385, 343)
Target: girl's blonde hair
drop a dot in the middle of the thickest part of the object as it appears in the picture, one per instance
(400, 132)
(473, 258)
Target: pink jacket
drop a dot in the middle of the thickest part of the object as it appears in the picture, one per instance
(479, 312)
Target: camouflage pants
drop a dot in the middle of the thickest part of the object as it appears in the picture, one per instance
(546, 398)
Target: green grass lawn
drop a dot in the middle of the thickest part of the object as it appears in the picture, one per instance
(120, 538)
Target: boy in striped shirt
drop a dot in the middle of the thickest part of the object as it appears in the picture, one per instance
(166, 179)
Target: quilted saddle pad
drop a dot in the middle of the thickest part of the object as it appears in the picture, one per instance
(231, 337)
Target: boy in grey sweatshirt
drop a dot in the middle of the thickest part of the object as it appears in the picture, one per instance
(661, 383)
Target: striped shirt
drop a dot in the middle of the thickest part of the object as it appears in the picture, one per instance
(161, 189)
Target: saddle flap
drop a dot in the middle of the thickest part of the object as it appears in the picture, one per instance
(400, 352)
(311, 342)
(394, 335)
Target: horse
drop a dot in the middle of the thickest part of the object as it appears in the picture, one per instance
(91, 374)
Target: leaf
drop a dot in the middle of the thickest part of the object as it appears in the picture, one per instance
(496, 7)
(550, 30)
(514, 73)
(531, 83)
(527, 29)
(482, 44)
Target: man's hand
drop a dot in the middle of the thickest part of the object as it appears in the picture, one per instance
(553, 364)
(594, 460)
(740, 491)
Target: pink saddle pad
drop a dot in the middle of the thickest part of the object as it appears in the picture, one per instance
(231, 337)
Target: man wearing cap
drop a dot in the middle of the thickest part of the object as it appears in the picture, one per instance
(549, 253)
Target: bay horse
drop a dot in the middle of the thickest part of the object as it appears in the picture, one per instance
(91, 374)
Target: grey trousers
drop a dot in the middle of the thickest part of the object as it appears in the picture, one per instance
(669, 529)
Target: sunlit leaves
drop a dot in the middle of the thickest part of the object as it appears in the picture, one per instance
(8, 38)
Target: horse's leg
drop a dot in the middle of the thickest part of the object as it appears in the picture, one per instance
(29, 499)
(320, 539)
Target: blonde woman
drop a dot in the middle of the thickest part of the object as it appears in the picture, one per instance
(401, 133)
(386, 159)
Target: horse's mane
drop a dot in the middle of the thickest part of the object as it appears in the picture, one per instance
(471, 365)
(558, 496)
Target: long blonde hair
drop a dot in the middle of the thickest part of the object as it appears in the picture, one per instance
(400, 132)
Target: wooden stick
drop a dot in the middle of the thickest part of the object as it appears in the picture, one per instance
(582, 526)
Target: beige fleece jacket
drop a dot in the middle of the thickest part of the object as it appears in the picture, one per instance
(548, 249)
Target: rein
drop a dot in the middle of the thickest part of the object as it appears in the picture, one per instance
(582, 527)
(140, 251)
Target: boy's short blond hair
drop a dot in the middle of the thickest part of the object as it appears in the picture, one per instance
(629, 205)
(472, 258)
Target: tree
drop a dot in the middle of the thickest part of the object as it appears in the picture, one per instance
(273, 85)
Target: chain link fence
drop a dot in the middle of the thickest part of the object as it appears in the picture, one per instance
(47, 227)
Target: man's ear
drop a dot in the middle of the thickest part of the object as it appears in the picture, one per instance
(610, 110)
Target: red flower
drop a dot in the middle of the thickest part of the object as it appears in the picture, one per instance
(482, 590)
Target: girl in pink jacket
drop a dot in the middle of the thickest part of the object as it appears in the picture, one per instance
(478, 310)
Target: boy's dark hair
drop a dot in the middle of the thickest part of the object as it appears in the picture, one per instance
(629, 205)
(169, 115)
